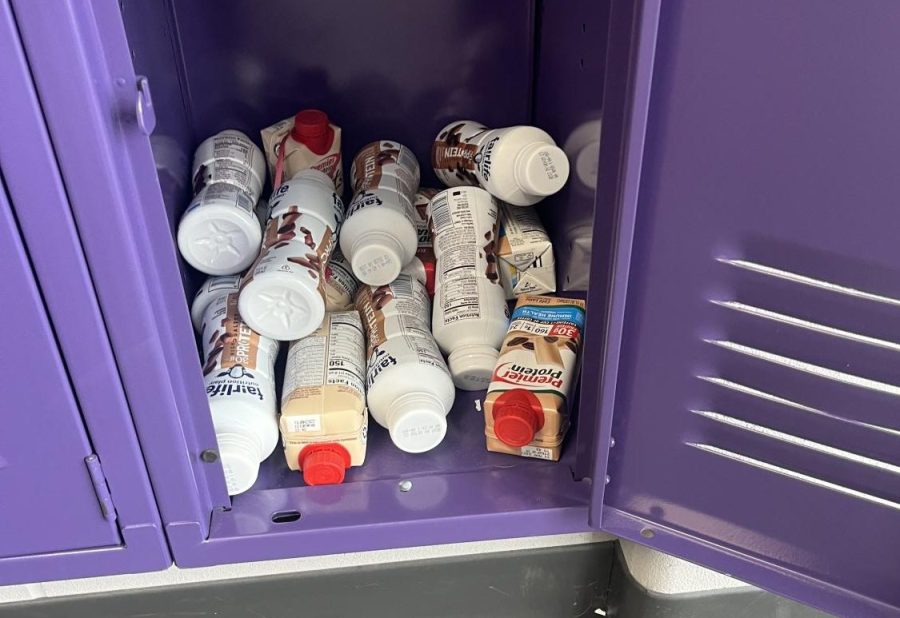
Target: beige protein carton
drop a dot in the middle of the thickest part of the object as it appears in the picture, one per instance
(536, 450)
(524, 253)
(308, 140)
(527, 400)
(324, 423)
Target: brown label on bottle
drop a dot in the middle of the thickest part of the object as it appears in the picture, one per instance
(453, 153)
(240, 342)
(395, 308)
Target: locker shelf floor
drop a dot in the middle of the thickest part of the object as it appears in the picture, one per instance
(463, 450)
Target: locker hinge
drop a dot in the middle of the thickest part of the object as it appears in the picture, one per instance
(101, 489)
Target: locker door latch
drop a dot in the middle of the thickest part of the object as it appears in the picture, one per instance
(144, 111)
(98, 480)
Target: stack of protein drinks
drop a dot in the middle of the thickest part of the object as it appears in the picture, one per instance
(363, 334)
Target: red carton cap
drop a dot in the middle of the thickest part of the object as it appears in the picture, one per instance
(312, 129)
(324, 464)
(518, 415)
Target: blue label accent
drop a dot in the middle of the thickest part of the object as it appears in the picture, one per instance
(571, 314)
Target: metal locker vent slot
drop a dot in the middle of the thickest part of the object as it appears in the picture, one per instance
(769, 326)
(810, 281)
(793, 474)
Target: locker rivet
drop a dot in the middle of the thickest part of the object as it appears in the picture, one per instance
(612, 442)
(209, 455)
(647, 533)
(405, 486)
(608, 479)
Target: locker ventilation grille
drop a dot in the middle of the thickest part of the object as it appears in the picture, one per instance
(782, 339)
(793, 474)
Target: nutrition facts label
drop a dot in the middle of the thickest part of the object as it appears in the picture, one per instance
(233, 147)
(224, 170)
(223, 193)
(463, 240)
(335, 358)
(460, 300)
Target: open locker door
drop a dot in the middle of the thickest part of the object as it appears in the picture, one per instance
(75, 499)
(751, 386)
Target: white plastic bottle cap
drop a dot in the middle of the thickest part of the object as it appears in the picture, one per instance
(240, 461)
(279, 306)
(541, 168)
(417, 422)
(377, 258)
(219, 238)
(317, 176)
(472, 366)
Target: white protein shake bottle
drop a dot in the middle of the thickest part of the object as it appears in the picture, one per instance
(238, 369)
(211, 289)
(283, 294)
(409, 389)
(231, 157)
(470, 314)
(519, 165)
(219, 233)
(379, 237)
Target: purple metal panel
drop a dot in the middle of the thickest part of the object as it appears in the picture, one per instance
(459, 59)
(43, 442)
(85, 82)
(568, 97)
(44, 222)
(755, 404)
(459, 492)
(88, 91)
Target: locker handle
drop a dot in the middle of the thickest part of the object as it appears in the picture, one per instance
(144, 111)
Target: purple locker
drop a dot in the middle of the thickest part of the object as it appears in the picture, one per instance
(736, 407)
(750, 384)
(76, 498)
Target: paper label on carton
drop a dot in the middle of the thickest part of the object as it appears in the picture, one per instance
(525, 253)
(340, 283)
(298, 156)
(540, 355)
(537, 452)
(303, 423)
(331, 356)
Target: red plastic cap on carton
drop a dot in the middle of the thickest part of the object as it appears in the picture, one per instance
(518, 415)
(324, 464)
(312, 129)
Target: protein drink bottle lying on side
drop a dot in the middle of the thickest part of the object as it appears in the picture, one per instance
(230, 157)
(238, 369)
(219, 233)
(323, 421)
(519, 165)
(283, 294)
(410, 391)
(422, 266)
(379, 237)
(470, 315)
(211, 289)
